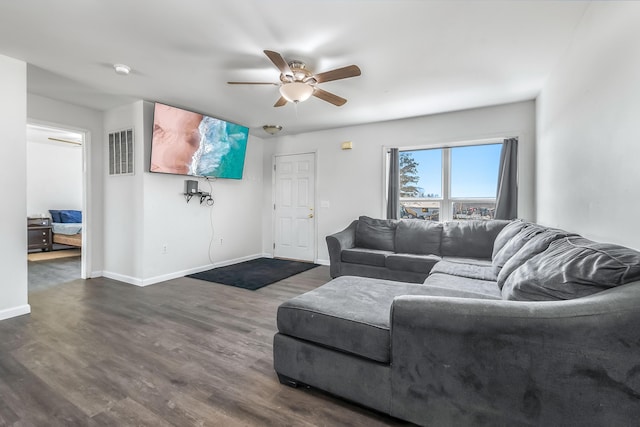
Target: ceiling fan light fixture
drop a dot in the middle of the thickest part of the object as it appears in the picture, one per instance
(296, 91)
(297, 83)
(272, 129)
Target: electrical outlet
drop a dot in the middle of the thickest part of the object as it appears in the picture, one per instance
(163, 250)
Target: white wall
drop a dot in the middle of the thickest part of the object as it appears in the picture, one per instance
(589, 130)
(147, 211)
(54, 177)
(269, 148)
(352, 181)
(124, 200)
(48, 111)
(192, 232)
(13, 251)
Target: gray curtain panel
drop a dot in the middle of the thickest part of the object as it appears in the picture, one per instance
(394, 184)
(507, 194)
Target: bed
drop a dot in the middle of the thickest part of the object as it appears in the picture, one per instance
(66, 227)
(67, 233)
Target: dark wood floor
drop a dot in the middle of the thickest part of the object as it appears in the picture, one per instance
(183, 353)
(50, 273)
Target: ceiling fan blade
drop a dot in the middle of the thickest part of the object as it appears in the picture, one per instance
(252, 83)
(329, 97)
(280, 102)
(338, 73)
(279, 62)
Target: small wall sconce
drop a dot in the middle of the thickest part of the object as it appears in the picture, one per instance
(347, 145)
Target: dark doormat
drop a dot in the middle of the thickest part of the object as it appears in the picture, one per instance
(254, 274)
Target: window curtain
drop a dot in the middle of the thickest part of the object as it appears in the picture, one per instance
(507, 194)
(393, 191)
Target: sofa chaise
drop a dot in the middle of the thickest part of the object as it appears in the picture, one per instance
(546, 332)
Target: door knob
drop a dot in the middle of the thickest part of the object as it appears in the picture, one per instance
(311, 215)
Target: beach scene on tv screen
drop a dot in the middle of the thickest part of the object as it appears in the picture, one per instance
(189, 143)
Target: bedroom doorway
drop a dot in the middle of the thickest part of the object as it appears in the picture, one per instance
(56, 205)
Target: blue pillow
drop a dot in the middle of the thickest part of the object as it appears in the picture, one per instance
(55, 215)
(71, 216)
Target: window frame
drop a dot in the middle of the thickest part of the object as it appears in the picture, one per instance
(446, 201)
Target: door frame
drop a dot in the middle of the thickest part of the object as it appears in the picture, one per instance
(315, 200)
(85, 250)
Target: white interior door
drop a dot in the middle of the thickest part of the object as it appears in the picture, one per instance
(294, 207)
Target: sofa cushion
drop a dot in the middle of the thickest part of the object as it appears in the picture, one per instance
(417, 236)
(461, 260)
(351, 314)
(535, 245)
(506, 234)
(410, 262)
(572, 267)
(475, 288)
(376, 233)
(472, 271)
(513, 245)
(473, 239)
(365, 256)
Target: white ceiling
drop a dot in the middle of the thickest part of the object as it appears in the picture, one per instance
(416, 57)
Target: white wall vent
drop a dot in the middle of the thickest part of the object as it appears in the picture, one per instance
(121, 152)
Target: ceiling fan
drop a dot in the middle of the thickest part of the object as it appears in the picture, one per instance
(297, 83)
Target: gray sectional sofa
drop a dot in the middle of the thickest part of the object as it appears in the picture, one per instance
(544, 331)
(406, 250)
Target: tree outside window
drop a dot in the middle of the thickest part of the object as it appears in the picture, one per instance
(409, 176)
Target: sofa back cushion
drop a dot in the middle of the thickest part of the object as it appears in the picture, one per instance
(537, 243)
(472, 239)
(376, 233)
(506, 234)
(417, 236)
(572, 267)
(512, 246)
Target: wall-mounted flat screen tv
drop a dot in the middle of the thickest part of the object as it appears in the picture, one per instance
(188, 143)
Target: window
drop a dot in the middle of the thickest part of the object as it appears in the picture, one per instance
(449, 183)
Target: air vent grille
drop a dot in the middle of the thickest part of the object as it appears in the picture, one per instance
(121, 152)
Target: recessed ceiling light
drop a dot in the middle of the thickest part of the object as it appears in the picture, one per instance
(122, 69)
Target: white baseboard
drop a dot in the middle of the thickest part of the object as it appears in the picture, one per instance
(234, 261)
(20, 310)
(163, 278)
(122, 278)
(319, 261)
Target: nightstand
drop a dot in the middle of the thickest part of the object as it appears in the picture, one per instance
(39, 234)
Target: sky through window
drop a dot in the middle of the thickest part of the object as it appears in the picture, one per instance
(474, 171)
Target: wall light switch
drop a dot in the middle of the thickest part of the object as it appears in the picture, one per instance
(325, 204)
